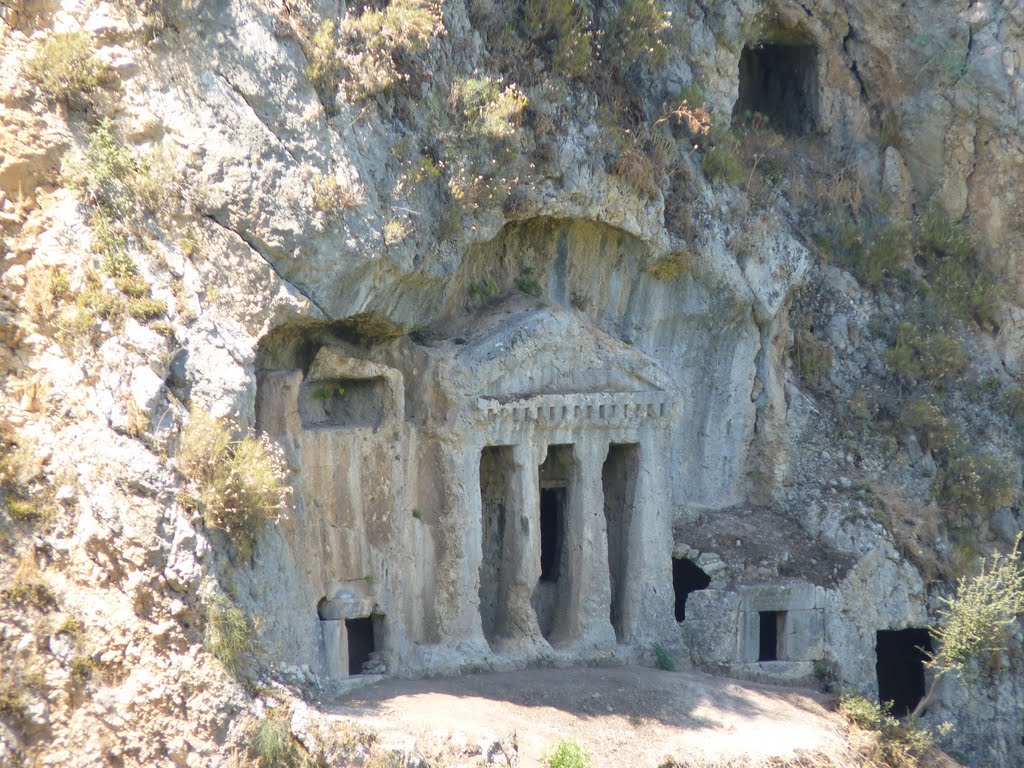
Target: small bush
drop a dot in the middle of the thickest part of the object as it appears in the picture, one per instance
(976, 618)
(81, 669)
(240, 482)
(813, 358)
(927, 421)
(889, 250)
(567, 754)
(638, 34)
(562, 29)
(721, 159)
(105, 173)
(979, 484)
(898, 745)
(671, 266)
(488, 109)
(395, 231)
(230, 636)
(527, 282)
(381, 43)
(66, 68)
(938, 357)
(146, 308)
(1013, 404)
(323, 64)
(329, 194)
(662, 659)
(274, 746)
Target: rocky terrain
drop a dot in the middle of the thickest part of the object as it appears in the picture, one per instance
(797, 222)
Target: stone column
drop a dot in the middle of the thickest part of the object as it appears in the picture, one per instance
(335, 648)
(591, 586)
(522, 545)
(648, 603)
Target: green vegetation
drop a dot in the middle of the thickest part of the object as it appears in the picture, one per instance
(977, 484)
(329, 194)
(106, 172)
(926, 420)
(67, 69)
(567, 754)
(663, 659)
(527, 282)
(889, 250)
(897, 745)
(813, 358)
(637, 34)
(322, 62)
(30, 591)
(721, 159)
(488, 110)
(395, 231)
(562, 29)
(230, 635)
(937, 358)
(81, 668)
(273, 745)
(975, 621)
(480, 126)
(382, 44)
(240, 482)
(671, 266)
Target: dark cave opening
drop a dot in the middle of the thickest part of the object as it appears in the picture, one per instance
(779, 82)
(552, 532)
(901, 655)
(687, 577)
(769, 634)
(360, 643)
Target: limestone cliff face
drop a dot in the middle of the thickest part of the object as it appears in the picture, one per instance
(474, 286)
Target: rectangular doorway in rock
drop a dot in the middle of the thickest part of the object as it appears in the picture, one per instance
(618, 480)
(496, 566)
(360, 643)
(900, 657)
(780, 83)
(550, 596)
(770, 635)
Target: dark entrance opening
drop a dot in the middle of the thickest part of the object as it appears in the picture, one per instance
(360, 643)
(901, 654)
(770, 632)
(552, 532)
(618, 481)
(557, 616)
(779, 82)
(687, 577)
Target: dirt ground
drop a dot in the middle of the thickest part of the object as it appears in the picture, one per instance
(625, 716)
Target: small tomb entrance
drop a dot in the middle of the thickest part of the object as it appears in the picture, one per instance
(770, 634)
(780, 82)
(687, 577)
(360, 643)
(901, 655)
(550, 597)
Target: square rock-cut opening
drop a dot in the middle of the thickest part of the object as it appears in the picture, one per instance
(779, 82)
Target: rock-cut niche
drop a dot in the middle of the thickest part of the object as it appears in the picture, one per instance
(779, 82)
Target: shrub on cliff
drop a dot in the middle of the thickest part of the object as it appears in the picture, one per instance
(66, 68)
(975, 621)
(239, 483)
